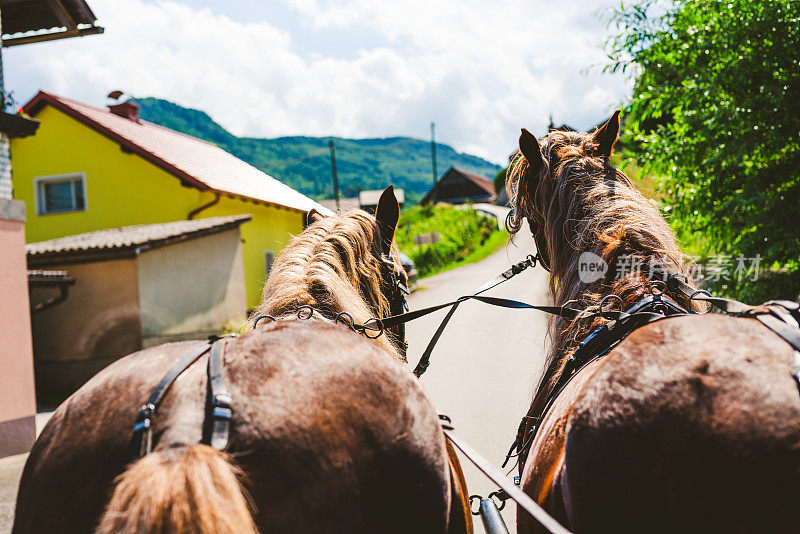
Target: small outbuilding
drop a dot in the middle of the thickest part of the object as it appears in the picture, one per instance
(134, 287)
(366, 200)
(459, 187)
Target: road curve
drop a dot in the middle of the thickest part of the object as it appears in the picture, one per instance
(488, 361)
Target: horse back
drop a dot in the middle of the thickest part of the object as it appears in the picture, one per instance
(690, 424)
(332, 433)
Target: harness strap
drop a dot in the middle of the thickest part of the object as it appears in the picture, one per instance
(424, 360)
(142, 443)
(780, 316)
(219, 409)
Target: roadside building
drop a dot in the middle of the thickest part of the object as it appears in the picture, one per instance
(130, 288)
(22, 23)
(90, 169)
(457, 186)
(366, 200)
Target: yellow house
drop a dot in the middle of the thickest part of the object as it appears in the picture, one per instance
(90, 169)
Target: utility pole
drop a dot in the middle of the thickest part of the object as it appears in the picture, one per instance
(335, 179)
(433, 160)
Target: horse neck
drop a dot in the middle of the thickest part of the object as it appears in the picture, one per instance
(615, 222)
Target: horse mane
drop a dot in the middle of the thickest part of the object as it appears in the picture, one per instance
(578, 202)
(333, 267)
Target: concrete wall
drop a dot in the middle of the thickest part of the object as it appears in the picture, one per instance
(192, 289)
(97, 324)
(17, 398)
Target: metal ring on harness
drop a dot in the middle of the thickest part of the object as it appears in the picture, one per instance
(657, 288)
(499, 497)
(345, 319)
(691, 299)
(472, 499)
(375, 326)
(301, 312)
(610, 314)
(261, 318)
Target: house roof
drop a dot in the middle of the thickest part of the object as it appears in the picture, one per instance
(131, 238)
(481, 181)
(345, 204)
(196, 162)
(371, 197)
(70, 18)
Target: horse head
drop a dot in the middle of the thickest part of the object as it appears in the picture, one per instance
(344, 263)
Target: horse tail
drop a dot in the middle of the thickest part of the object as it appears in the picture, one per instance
(184, 489)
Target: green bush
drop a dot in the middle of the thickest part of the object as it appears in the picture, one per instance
(461, 232)
(715, 114)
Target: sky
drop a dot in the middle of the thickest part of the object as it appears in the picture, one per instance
(350, 68)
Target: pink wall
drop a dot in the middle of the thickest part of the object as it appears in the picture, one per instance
(17, 396)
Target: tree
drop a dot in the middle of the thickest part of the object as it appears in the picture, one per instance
(715, 112)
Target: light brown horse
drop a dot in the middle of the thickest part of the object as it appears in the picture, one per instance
(691, 424)
(330, 431)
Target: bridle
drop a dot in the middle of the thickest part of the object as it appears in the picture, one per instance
(542, 252)
(395, 291)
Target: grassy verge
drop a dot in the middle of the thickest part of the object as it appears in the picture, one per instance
(494, 243)
(464, 237)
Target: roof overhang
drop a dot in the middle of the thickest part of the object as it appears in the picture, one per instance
(15, 125)
(35, 21)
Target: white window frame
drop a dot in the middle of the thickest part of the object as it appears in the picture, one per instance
(38, 191)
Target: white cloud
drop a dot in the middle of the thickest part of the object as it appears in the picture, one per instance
(480, 70)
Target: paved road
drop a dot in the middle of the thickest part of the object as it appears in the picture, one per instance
(10, 473)
(487, 362)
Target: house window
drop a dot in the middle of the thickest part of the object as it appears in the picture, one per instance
(269, 257)
(59, 194)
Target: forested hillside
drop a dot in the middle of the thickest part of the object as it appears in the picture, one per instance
(304, 162)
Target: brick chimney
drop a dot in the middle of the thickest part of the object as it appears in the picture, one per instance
(128, 110)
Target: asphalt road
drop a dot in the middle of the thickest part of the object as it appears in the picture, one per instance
(486, 364)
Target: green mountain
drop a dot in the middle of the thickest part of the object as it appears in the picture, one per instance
(304, 162)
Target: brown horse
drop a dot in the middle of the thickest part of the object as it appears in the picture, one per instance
(690, 424)
(330, 431)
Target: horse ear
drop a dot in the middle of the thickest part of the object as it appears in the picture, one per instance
(387, 214)
(606, 135)
(530, 148)
(313, 216)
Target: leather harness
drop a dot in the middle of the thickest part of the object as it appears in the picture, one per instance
(780, 316)
(219, 401)
(218, 409)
